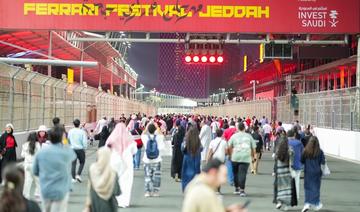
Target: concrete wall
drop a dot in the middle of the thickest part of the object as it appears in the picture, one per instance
(340, 143)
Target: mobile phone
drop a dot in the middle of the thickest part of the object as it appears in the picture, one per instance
(246, 204)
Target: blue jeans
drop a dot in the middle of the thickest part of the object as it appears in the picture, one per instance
(230, 176)
(137, 159)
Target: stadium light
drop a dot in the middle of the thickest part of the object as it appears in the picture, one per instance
(204, 59)
(212, 59)
(220, 59)
(188, 59)
(196, 59)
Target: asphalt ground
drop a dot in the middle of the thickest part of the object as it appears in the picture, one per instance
(340, 191)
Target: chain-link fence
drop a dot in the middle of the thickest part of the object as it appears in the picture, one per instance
(256, 108)
(29, 99)
(335, 109)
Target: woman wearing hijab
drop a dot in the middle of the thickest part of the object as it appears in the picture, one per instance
(103, 184)
(7, 147)
(177, 156)
(192, 156)
(124, 148)
(103, 136)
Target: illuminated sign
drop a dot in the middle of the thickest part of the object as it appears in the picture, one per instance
(213, 16)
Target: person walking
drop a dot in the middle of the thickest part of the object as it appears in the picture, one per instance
(192, 156)
(227, 135)
(103, 136)
(284, 193)
(42, 135)
(29, 149)
(52, 166)
(11, 198)
(298, 148)
(200, 195)
(218, 150)
(8, 146)
(153, 142)
(78, 142)
(242, 150)
(214, 126)
(312, 158)
(205, 138)
(124, 148)
(218, 147)
(267, 132)
(103, 184)
(259, 149)
(100, 124)
(177, 156)
(136, 135)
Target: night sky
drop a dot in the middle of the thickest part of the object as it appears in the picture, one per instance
(144, 58)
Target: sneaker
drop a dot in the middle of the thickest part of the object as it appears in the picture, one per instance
(155, 194)
(306, 208)
(286, 208)
(278, 206)
(78, 178)
(252, 171)
(74, 180)
(237, 191)
(242, 194)
(147, 194)
(318, 207)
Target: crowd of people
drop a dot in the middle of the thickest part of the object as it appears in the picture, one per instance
(207, 152)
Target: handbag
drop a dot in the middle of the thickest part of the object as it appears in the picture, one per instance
(325, 170)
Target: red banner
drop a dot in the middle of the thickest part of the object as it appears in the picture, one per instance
(245, 16)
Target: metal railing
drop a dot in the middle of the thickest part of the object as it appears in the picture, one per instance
(335, 109)
(29, 99)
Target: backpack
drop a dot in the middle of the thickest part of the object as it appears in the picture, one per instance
(152, 150)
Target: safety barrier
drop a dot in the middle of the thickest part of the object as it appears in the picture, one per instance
(29, 99)
(256, 108)
(334, 109)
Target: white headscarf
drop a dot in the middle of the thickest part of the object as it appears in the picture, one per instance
(102, 176)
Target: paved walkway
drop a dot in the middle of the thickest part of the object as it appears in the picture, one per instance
(340, 191)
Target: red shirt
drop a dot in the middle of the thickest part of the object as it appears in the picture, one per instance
(229, 132)
(10, 142)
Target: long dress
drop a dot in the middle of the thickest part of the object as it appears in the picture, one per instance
(190, 167)
(99, 205)
(283, 190)
(205, 138)
(312, 178)
(126, 175)
(177, 155)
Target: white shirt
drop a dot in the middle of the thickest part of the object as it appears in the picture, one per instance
(221, 150)
(160, 144)
(143, 121)
(26, 154)
(267, 129)
(214, 126)
(101, 123)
